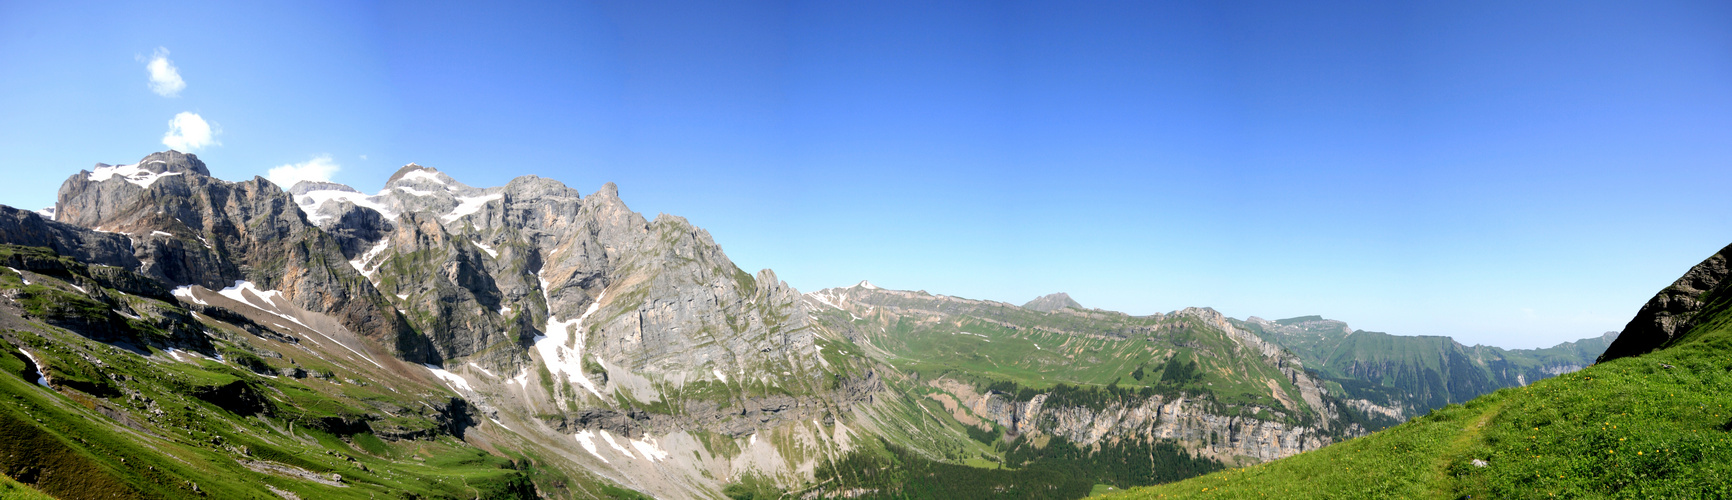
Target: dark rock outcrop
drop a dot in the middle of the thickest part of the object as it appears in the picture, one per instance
(238, 397)
(1673, 311)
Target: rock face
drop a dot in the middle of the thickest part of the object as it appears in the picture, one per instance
(1228, 438)
(193, 229)
(1052, 302)
(1673, 311)
(533, 277)
(25, 228)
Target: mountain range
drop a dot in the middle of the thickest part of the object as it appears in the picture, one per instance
(169, 334)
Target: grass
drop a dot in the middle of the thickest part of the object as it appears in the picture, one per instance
(13, 490)
(1626, 428)
(970, 348)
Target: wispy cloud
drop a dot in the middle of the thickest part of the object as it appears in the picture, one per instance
(164, 77)
(188, 132)
(319, 168)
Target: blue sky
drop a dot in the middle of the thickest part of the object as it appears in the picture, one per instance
(1509, 173)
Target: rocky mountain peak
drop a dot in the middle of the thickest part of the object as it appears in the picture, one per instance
(304, 187)
(411, 167)
(146, 172)
(174, 161)
(609, 190)
(418, 180)
(1052, 302)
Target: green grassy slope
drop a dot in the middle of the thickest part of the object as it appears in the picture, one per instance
(986, 342)
(1652, 426)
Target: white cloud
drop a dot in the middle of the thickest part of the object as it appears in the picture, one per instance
(317, 169)
(164, 77)
(188, 132)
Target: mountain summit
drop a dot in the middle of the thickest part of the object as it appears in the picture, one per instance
(1052, 302)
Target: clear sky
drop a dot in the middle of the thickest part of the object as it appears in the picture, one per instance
(1509, 173)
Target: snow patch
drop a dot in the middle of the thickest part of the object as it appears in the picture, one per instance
(46, 212)
(423, 174)
(470, 204)
(451, 379)
(867, 285)
(555, 353)
(586, 438)
(485, 248)
(41, 373)
(360, 263)
(483, 370)
(239, 293)
(161, 233)
(20, 275)
(414, 191)
(129, 173)
(522, 379)
(988, 339)
(720, 375)
(605, 436)
(316, 199)
(820, 298)
(650, 449)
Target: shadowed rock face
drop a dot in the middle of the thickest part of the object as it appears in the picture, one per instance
(190, 228)
(26, 228)
(1674, 311)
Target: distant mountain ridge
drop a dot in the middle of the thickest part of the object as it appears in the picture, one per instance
(1418, 373)
(1052, 302)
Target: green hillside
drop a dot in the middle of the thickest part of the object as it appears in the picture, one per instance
(984, 343)
(1652, 426)
(1417, 373)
